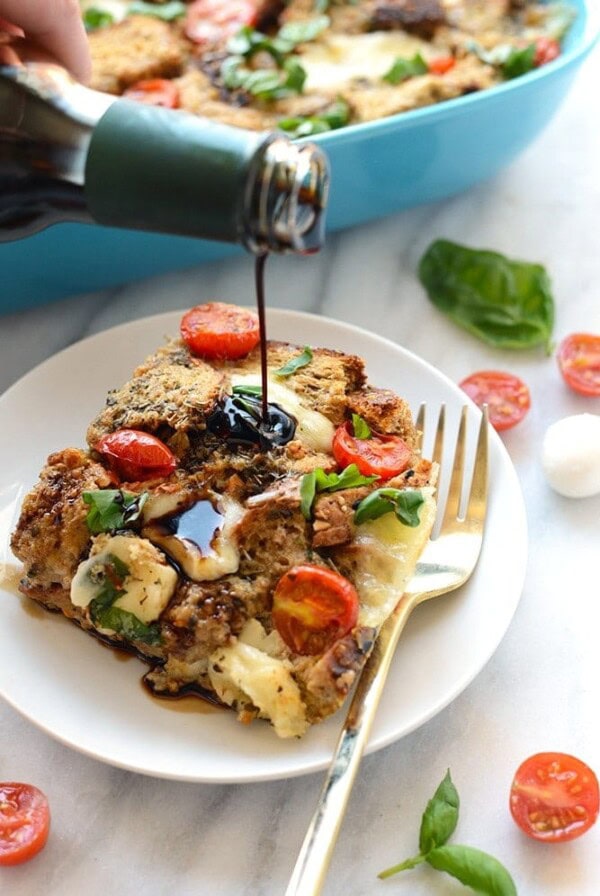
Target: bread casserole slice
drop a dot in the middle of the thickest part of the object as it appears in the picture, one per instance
(181, 568)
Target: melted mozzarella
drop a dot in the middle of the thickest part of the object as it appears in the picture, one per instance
(338, 59)
(313, 429)
(252, 671)
(385, 553)
(571, 456)
(222, 557)
(148, 586)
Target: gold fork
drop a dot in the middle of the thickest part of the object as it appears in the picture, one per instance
(447, 562)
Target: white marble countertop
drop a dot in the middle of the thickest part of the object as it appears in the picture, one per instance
(120, 833)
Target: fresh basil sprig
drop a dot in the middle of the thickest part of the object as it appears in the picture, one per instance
(406, 68)
(296, 363)
(301, 32)
(320, 481)
(250, 391)
(472, 867)
(112, 509)
(508, 304)
(168, 12)
(335, 116)
(94, 18)
(403, 502)
(103, 612)
(519, 62)
(361, 428)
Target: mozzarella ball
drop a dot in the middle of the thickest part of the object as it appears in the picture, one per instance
(571, 455)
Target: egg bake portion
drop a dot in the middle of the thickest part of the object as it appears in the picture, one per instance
(253, 563)
(309, 66)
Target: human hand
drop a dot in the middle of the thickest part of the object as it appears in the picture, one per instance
(55, 26)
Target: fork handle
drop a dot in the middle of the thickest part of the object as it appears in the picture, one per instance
(315, 854)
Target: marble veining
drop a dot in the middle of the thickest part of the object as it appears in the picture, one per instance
(119, 833)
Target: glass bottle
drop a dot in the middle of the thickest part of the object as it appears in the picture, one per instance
(68, 153)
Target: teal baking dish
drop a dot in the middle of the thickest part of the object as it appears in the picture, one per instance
(377, 168)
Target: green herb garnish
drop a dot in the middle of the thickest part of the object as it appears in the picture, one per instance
(96, 18)
(252, 391)
(335, 116)
(320, 481)
(110, 577)
(168, 12)
(295, 363)
(519, 62)
(508, 304)
(403, 502)
(360, 427)
(472, 867)
(406, 68)
(302, 32)
(129, 626)
(112, 509)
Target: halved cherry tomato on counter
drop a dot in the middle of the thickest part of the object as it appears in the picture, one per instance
(554, 797)
(506, 396)
(579, 362)
(134, 455)
(546, 50)
(380, 455)
(24, 822)
(217, 330)
(212, 21)
(441, 65)
(313, 607)
(155, 92)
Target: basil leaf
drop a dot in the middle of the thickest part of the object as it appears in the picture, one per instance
(112, 509)
(508, 304)
(405, 503)
(440, 816)
(129, 626)
(406, 68)
(93, 18)
(320, 481)
(295, 363)
(474, 868)
(301, 32)
(254, 391)
(110, 579)
(168, 12)
(361, 428)
(335, 116)
(519, 62)
(308, 491)
(267, 84)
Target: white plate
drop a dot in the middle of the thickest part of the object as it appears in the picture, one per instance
(75, 689)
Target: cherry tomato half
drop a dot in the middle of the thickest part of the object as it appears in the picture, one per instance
(155, 92)
(546, 50)
(135, 456)
(24, 822)
(506, 396)
(441, 65)
(380, 455)
(554, 797)
(313, 607)
(213, 21)
(217, 330)
(579, 362)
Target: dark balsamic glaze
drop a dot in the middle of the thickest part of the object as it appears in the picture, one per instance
(199, 525)
(250, 420)
(189, 698)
